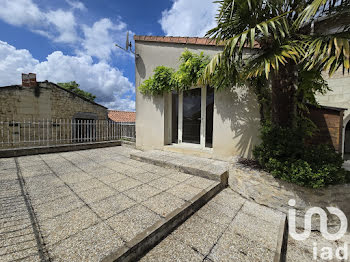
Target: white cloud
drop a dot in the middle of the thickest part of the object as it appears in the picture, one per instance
(189, 18)
(13, 62)
(64, 22)
(99, 40)
(109, 84)
(20, 12)
(59, 25)
(76, 5)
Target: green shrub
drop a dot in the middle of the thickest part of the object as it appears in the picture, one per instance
(166, 79)
(284, 153)
(160, 82)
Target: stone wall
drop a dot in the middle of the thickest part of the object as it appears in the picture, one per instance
(44, 115)
(264, 189)
(339, 96)
(46, 101)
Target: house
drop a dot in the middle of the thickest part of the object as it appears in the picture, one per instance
(45, 113)
(219, 124)
(45, 100)
(122, 116)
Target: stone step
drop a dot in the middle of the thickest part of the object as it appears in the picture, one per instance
(227, 228)
(141, 243)
(207, 168)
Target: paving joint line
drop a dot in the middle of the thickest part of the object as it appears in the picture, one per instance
(143, 183)
(22, 258)
(19, 236)
(78, 195)
(16, 251)
(223, 232)
(19, 242)
(43, 253)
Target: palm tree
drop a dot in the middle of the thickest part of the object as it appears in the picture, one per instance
(292, 42)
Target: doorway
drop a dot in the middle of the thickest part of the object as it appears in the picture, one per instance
(192, 117)
(347, 142)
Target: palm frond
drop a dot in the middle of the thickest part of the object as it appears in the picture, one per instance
(319, 10)
(267, 61)
(328, 52)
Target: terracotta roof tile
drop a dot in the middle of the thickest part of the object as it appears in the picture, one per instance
(177, 40)
(121, 116)
(192, 40)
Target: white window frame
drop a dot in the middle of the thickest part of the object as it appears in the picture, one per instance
(203, 119)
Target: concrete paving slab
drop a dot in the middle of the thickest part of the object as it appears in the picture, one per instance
(163, 183)
(57, 207)
(91, 244)
(96, 194)
(86, 205)
(224, 229)
(184, 191)
(163, 204)
(126, 184)
(198, 233)
(172, 249)
(111, 178)
(111, 206)
(142, 192)
(67, 224)
(86, 185)
(146, 177)
(133, 221)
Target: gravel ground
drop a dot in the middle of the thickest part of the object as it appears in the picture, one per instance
(80, 206)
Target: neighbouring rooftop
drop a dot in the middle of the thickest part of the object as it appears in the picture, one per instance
(122, 116)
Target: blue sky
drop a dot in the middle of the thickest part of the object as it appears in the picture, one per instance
(66, 40)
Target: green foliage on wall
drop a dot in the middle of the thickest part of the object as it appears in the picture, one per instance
(160, 82)
(74, 87)
(166, 79)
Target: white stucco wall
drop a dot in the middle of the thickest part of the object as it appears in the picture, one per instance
(236, 115)
(236, 123)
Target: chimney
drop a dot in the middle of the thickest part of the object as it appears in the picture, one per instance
(29, 80)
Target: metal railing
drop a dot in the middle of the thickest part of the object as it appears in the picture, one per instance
(28, 133)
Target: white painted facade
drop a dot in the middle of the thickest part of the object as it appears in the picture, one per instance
(235, 118)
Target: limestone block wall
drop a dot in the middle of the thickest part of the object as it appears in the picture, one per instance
(47, 101)
(339, 96)
(45, 115)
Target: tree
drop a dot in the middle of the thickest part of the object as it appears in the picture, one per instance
(74, 87)
(292, 42)
(291, 47)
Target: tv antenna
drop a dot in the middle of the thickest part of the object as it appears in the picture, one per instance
(128, 45)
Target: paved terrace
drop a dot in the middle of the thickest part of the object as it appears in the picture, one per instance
(85, 205)
(81, 206)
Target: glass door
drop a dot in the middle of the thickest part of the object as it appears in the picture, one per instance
(191, 127)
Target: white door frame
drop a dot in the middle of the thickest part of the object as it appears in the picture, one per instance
(203, 117)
